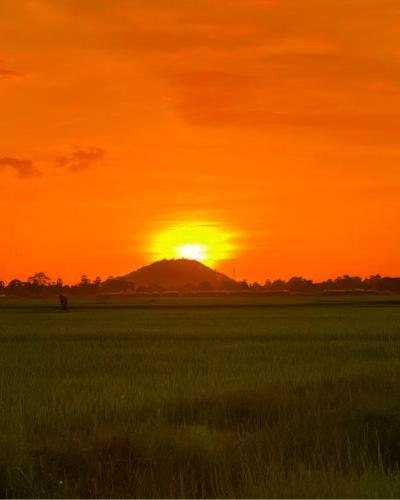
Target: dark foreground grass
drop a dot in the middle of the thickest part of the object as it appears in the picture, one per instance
(294, 401)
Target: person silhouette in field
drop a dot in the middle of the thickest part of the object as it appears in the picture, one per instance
(63, 302)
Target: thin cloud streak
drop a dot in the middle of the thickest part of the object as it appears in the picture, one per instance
(81, 159)
(7, 73)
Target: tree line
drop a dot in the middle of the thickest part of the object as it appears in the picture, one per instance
(40, 284)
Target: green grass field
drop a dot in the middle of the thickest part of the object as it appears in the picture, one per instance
(241, 397)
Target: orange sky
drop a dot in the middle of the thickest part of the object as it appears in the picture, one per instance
(277, 120)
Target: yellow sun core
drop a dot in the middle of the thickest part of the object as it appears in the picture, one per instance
(202, 241)
(193, 251)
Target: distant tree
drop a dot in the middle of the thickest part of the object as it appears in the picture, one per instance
(39, 279)
(59, 283)
(267, 284)
(374, 282)
(327, 285)
(347, 282)
(118, 285)
(15, 284)
(390, 284)
(85, 281)
(97, 281)
(229, 284)
(299, 284)
(278, 285)
(243, 285)
(2, 285)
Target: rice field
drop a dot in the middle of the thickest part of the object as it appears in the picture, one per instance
(196, 397)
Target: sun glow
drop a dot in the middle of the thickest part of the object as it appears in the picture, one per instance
(193, 251)
(202, 241)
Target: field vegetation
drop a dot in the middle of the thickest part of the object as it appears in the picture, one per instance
(200, 397)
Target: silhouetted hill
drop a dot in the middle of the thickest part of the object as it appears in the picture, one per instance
(176, 273)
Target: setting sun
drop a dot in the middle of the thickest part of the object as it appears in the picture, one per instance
(202, 241)
(193, 251)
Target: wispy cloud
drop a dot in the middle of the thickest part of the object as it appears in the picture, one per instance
(264, 63)
(7, 73)
(81, 159)
(246, 63)
(24, 168)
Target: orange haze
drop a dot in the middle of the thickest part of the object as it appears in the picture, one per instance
(276, 120)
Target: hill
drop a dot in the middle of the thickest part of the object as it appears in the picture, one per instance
(175, 273)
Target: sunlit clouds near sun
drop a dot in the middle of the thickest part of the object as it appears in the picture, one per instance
(202, 241)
